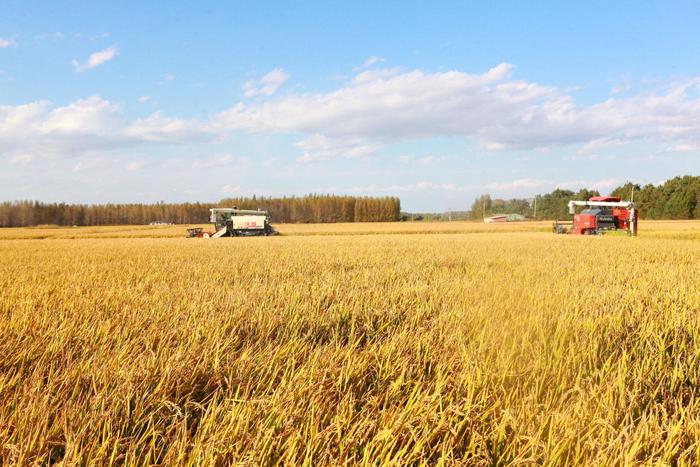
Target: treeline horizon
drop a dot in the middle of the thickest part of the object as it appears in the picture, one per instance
(304, 209)
(676, 198)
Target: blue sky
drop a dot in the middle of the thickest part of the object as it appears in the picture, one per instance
(433, 102)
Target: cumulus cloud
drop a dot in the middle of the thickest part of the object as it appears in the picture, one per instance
(382, 106)
(42, 130)
(161, 129)
(320, 147)
(95, 59)
(376, 108)
(92, 116)
(5, 43)
(598, 144)
(267, 85)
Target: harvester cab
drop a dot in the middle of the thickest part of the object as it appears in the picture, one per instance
(601, 214)
(234, 222)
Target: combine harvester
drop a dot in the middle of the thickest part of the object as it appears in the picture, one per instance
(234, 222)
(601, 214)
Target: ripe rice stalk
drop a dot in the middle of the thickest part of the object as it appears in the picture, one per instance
(435, 344)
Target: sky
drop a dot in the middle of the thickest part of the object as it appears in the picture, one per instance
(433, 102)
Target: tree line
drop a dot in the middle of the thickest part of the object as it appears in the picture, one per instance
(323, 208)
(305, 209)
(677, 198)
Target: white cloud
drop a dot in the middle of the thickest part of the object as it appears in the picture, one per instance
(89, 163)
(230, 189)
(5, 43)
(416, 187)
(686, 147)
(95, 59)
(624, 85)
(168, 77)
(512, 188)
(598, 144)
(91, 116)
(368, 76)
(383, 106)
(518, 184)
(135, 165)
(42, 131)
(530, 184)
(373, 60)
(426, 186)
(267, 85)
(45, 131)
(160, 129)
(101, 35)
(79, 166)
(586, 157)
(430, 160)
(143, 99)
(319, 147)
(379, 107)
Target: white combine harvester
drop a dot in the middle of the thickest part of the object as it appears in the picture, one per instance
(234, 222)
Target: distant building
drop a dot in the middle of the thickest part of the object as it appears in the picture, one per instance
(496, 218)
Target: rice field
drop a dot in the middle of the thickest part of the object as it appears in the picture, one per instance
(651, 229)
(409, 343)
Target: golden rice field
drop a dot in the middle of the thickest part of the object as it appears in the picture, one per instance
(656, 229)
(437, 344)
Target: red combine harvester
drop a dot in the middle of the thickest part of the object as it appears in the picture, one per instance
(601, 214)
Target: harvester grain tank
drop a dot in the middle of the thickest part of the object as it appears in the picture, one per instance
(601, 214)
